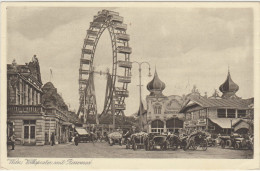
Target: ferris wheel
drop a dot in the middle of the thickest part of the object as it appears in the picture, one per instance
(116, 88)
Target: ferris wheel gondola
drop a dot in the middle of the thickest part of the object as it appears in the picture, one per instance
(116, 90)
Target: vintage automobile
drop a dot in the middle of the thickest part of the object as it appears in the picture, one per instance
(157, 142)
(115, 138)
(211, 141)
(233, 141)
(84, 136)
(138, 140)
(244, 143)
(195, 140)
(173, 142)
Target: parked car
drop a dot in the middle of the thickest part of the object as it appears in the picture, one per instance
(235, 141)
(173, 142)
(138, 140)
(158, 142)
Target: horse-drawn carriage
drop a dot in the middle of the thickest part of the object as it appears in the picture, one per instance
(115, 138)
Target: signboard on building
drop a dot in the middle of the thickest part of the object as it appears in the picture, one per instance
(201, 122)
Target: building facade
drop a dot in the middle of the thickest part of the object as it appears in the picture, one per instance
(35, 111)
(25, 113)
(220, 115)
(58, 119)
(162, 112)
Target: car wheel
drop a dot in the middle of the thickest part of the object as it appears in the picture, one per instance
(204, 145)
(237, 145)
(223, 144)
(127, 144)
(134, 146)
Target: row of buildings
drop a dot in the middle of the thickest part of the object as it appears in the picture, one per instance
(34, 110)
(216, 114)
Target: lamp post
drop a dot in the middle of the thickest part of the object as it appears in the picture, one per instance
(231, 126)
(140, 86)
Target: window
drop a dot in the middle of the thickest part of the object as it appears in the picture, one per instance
(211, 127)
(26, 132)
(202, 114)
(231, 113)
(241, 113)
(32, 134)
(29, 129)
(157, 109)
(221, 113)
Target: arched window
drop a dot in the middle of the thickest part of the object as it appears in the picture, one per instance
(157, 126)
(157, 109)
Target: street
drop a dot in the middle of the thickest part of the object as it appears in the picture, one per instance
(103, 150)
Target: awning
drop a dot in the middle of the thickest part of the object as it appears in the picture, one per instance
(81, 131)
(225, 122)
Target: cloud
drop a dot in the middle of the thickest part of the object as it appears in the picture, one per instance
(192, 46)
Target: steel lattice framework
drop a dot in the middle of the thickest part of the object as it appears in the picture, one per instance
(121, 51)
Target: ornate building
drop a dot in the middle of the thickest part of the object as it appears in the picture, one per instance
(25, 113)
(58, 117)
(162, 112)
(33, 111)
(219, 114)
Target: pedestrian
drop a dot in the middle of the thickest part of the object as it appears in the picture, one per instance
(76, 139)
(52, 139)
(12, 141)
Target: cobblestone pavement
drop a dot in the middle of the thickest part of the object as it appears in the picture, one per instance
(103, 150)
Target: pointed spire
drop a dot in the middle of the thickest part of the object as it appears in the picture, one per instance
(156, 86)
(229, 88)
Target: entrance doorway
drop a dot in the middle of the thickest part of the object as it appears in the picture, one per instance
(29, 132)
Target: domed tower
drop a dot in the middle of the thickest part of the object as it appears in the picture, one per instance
(229, 88)
(156, 86)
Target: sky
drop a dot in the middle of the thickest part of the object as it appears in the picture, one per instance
(188, 46)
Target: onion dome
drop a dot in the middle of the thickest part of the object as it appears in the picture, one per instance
(156, 86)
(229, 88)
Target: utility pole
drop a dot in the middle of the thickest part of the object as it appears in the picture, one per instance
(140, 88)
(113, 114)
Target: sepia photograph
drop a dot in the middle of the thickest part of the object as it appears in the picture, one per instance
(129, 81)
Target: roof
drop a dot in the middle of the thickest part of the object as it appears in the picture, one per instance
(220, 103)
(225, 122)
(156, 84)
(81, 131)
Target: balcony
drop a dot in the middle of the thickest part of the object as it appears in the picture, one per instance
(119, 26)
(25, 108)
(86, 51)
(120, 106)
(123, 49)
(117, 18)
(124, 79)
(119, 92)
(92, 33)
(124, 64)
(97, 25)
(124, 37)
(89, 42)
